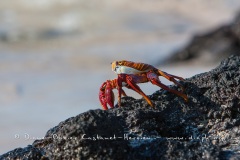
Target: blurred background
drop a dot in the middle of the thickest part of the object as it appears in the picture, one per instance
(55, 54)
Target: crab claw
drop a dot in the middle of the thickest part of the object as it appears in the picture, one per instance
(102, 98)
(106, 95)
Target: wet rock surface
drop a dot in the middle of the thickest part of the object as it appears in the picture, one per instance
(211, 47)
(207, 127)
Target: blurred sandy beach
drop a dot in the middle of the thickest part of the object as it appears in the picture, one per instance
(55, 54)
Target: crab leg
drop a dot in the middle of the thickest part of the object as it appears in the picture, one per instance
(153, 78)
(132, 85)
(171, 77)
(121, 92)
(119, 87)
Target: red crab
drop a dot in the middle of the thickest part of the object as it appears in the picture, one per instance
(129, 75)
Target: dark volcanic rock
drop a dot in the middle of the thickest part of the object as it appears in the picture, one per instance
(211, 47)
(28, 152)
(207, 127)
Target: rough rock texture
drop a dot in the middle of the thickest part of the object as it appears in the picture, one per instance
(207, 127)
(213, 46)
(28, 152)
